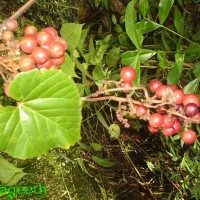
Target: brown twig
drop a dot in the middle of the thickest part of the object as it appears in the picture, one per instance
(25, 7)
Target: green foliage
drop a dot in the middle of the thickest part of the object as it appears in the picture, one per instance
(9, 174)
(48, 114)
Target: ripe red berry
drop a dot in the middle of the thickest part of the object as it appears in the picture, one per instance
(44, 38)
(28, 43)
(40, 55)
(128, 74)
(177, 96)
(26, 63)
(58, 61)
(11, 24)
(7, 35)
(56, 49)
(168, 131)
(127, 86)
(62, 41)
(156, 120)
(46, 65)
(191, 109)
(177, 126)
(153, 129)
(52, 31)
(6, 88)
(32, 30)
(188, 136)
(141, 110)
(168, 121)
(163, 91)
(191, 98)
(154, 84)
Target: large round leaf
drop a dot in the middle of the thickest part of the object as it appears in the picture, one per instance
(48, 114)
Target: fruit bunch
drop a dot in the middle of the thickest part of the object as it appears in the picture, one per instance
(167, 109)
(42, 49)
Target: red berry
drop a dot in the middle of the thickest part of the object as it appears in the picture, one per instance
(163, 91)
(44, 38)
(52, 31)
(46, 65)
(191, 109)
(168, 121)
(177, 126)
(154, 84)
(63, 42)
(40, 55)
(58, 61)
(168, 131)
(56, 49)
(6, 88)
(28, 43)
(153, 129)
(156, 120)
(11, 24)
(26, 63)
(191, 98)
(128, 74)
(7, 35)
(32, 30)
(188, 136)
(141, 110)
(177, 96)
(127, 85)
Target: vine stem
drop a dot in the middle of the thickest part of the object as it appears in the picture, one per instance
(21, 10)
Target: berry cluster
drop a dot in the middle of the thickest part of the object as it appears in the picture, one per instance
(168, 109)
(42, 49)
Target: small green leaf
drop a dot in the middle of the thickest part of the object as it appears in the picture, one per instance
(144, 6)
(134, 33)
(178, 20)
(112, 57)
(9, 174)
(71, 32)
(196, 70)
(164, 9)
(102, 162)
(96, 147)
(162, 59)
(98, 75)
(175, 73)
(68, 66)
(101, 119)
(192, 86)
(147, 26)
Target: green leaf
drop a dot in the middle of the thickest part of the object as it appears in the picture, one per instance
(98, 75)
(112, 57)
(144, 55)
(68, 66)
(136, 65)
(71, 32)
(196, 70)
(164, 9)
(101, 119)
(178, 20)
(47, 116)
(144, 6)
(162, 59)
(102, 162)
(96, 146)
(134, 33)
(9, 174)
(192, 86)
(175, 73)
(147, 26)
